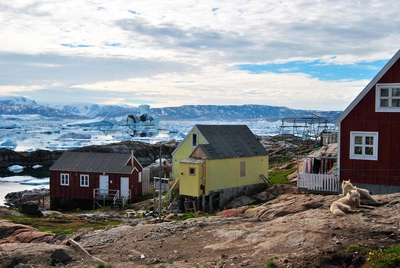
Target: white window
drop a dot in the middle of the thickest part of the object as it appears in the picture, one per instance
(364, 145)
(194, 140)
(140, 177)
(84, 180)
(64, 179)
(387, 98)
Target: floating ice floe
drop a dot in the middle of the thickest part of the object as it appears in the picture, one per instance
(37, 166)
(16, 179)
(36, 182)
(16, 168)
(9, 144)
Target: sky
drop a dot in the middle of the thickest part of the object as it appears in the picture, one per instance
(303, 54)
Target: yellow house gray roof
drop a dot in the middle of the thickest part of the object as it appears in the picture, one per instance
(229, 141)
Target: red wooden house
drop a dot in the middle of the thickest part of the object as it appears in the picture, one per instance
(369, 134)
(89, 180)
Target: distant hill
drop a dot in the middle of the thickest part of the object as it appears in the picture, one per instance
(20, 105)
(237, 112)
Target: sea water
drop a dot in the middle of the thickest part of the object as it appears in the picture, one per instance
(20, 183)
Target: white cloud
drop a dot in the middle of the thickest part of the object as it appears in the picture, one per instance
(171, 53)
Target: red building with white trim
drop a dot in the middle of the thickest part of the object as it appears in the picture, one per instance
(89, 180)
(369, 133)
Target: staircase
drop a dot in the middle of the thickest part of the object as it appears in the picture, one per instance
(111, 197)
(266, 181)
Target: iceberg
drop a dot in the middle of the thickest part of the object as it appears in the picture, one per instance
(9, 144)
(16, 168)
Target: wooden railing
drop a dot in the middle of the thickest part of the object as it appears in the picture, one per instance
(320, 183)
(113, 195)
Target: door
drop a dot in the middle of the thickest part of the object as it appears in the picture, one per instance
(124, 188)
(103, 185)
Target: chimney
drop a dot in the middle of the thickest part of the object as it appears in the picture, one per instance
(132, 158)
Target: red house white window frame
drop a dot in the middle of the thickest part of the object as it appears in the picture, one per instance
(364, 145)
(64, 179)
(387, 97)
(84, 180)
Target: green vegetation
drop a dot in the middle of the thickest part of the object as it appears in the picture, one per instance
(270, 264)
(184, 216)
(356, 247)
(101, 265)
(60, 224)
(280, 176)
(386, 258)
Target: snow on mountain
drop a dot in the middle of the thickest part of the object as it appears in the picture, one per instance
(22, 105)
(237, 112)
(16, 101)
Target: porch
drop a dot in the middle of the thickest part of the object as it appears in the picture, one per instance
(110, 197)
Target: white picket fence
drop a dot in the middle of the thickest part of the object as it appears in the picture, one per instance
(321, 183)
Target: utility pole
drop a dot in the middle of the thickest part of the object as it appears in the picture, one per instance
(159, 193)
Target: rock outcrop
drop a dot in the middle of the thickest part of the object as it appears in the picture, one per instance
(18, 233)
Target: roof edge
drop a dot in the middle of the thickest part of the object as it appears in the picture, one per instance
(364, 92)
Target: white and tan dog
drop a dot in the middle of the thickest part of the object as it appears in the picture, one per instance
(364, 194)
(348, 203)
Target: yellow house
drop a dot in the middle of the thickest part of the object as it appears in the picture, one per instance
(217, 163)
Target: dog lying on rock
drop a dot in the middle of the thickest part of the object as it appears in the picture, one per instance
(364, 194)
(349, 203)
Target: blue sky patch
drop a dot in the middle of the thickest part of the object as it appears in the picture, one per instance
(71, 45)
(113, 44)
(320, 70)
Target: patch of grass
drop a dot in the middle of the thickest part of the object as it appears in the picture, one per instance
(355, 247)
(388, 258)
(184, 216)
(280, 176)
(270, 264)
(101, 265)
(60, 224)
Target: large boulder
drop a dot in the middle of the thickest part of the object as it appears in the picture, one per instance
(18, 233)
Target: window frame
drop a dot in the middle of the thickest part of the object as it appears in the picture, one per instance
(390, 98)
(363, 145)
(82, 178)
(192, 173)
(194, 140)
(242, 169)
(64, 179)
